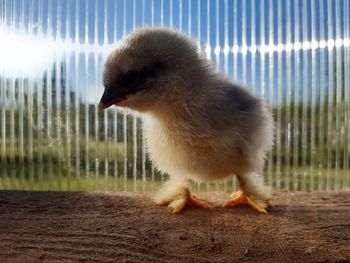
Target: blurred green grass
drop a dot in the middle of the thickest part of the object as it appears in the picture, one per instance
(52, 177)
(49, 165)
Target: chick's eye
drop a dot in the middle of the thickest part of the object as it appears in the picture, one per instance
(130, 79)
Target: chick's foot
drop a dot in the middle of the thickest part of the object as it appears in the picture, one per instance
(240, 197)
(179, 201)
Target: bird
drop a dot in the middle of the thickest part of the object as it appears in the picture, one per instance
(199, 126)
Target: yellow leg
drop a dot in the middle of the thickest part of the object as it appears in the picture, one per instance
(241, 198)
(178, 203)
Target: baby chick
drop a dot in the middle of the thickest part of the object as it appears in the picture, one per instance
(198, 125)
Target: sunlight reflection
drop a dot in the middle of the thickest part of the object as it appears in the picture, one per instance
(22, 54)
(29, 55)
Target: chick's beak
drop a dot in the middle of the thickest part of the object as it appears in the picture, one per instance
(109, 98)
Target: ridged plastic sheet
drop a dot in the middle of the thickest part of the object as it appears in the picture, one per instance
(294, 54)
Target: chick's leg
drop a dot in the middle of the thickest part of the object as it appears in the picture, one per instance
(176, 195)
(252, 192)
(240, 197)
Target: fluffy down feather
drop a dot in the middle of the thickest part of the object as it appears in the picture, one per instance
(198, 124)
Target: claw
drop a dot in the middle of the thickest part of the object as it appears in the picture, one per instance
(180, 199)
(179, 204)
(240, 198)
(194, 201)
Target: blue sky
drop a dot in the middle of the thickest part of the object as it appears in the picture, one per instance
(229, 11)
(218, 23)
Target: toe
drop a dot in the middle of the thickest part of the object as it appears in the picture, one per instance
(256, 206)
(241, 198)
(177, 205)
(197, 202)
(236, 199)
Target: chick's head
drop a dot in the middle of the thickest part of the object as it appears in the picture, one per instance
(149, 65)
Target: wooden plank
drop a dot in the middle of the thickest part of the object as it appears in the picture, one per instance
(109, 227)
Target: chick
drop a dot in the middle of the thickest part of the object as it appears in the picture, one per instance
(199, 126)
